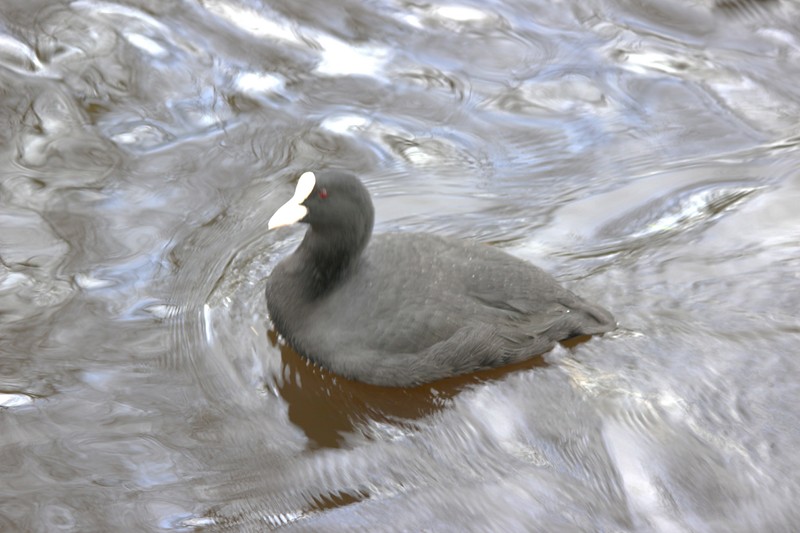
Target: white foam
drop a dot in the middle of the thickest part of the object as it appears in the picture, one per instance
(208, 326)
(342, 59)
(12, 280)
(87, 282)
(344, 124)
(18, 56)
(146, 44)
(252, 21)
(14, 400)
(160, 310)
(258, 83)
(460, 13)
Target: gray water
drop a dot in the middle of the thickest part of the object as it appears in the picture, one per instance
(644, 152)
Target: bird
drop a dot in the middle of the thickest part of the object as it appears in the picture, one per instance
(403, 309)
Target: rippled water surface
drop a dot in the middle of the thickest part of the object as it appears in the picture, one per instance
(644, 152)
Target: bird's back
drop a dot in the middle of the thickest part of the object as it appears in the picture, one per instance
(411, 291)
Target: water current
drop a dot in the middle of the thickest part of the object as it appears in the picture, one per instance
(645, 152)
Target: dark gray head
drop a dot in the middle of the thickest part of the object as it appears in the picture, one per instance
(339, 210)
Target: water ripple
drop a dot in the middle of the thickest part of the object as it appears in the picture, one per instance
(645, 153)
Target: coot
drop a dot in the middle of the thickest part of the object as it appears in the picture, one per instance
(408, 308)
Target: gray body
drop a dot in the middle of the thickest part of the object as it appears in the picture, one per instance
(415, 308)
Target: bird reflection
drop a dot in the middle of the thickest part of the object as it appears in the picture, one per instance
(330, 408)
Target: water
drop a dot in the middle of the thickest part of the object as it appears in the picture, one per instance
(646, 153)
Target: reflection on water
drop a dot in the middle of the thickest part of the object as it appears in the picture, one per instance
(328, 408)
(644, 153)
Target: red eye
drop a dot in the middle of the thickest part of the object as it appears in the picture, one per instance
(323, 193)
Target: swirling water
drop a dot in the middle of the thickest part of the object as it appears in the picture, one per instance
(646, 153)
